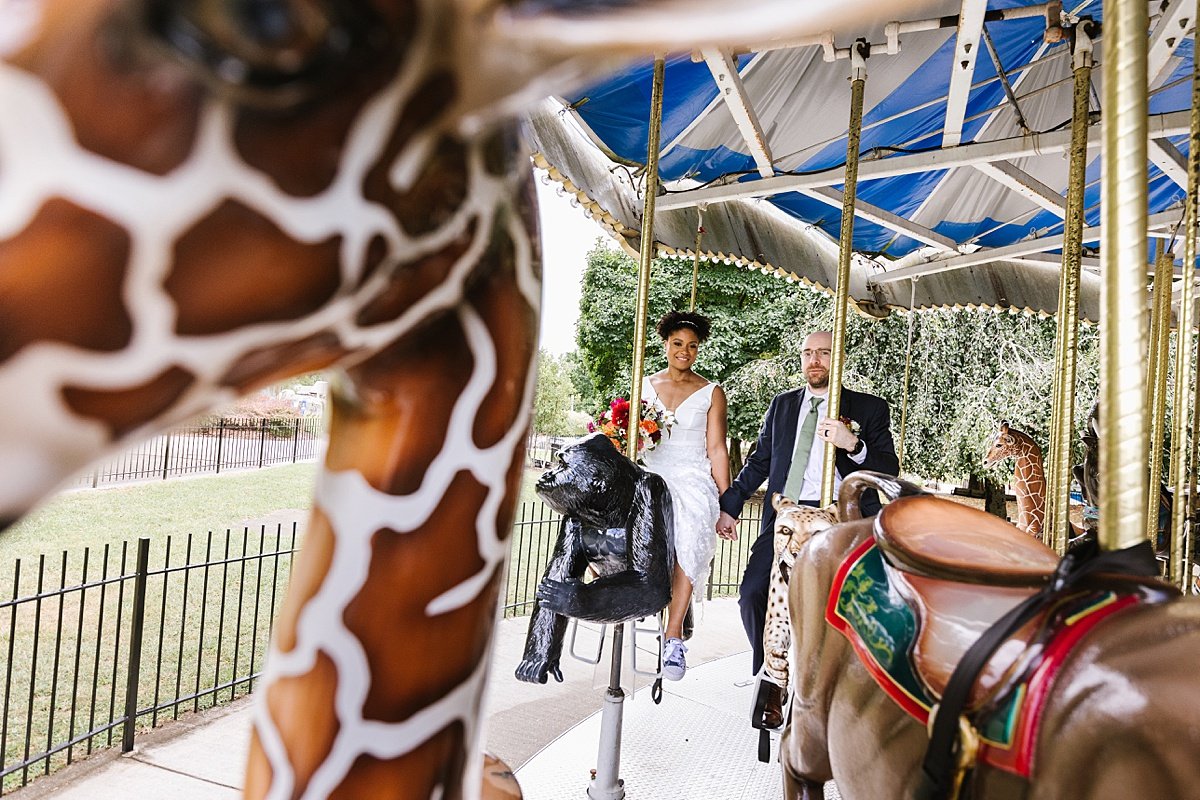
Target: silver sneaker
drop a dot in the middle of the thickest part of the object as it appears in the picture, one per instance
(674, 665)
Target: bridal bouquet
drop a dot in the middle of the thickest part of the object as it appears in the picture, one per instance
(614, 423)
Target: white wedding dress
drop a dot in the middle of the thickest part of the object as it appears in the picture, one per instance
(681, 458)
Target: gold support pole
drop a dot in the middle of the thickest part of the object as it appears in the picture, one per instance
(841, 298)
(912, 317)
(1062, 420)
(696, 259)
(647, 256)
(1179, 567)
(1156, 389)
(1123, 429)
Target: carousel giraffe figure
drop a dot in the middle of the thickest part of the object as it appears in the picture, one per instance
(201, 197)
(1029, 479)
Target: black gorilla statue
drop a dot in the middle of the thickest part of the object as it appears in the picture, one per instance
(616, 520)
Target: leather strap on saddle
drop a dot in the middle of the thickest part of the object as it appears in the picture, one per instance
(944, 765)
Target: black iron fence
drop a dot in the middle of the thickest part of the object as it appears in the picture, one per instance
(536, 528)
(97, 649)
(211, 446)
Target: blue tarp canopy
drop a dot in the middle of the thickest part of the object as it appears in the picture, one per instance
(964, 148)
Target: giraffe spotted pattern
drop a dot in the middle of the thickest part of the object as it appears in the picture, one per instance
(1029, 478)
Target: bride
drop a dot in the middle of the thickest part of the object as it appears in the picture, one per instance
(694, 461)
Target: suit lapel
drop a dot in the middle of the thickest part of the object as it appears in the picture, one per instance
(787, 434)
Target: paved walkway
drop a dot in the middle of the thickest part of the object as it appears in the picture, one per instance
(697, 744)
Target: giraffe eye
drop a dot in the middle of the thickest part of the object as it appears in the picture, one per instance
(264, 53)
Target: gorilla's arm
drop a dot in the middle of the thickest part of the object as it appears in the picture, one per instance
(543, 643)
(639, 591)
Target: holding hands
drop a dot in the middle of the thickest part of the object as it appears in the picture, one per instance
(727, 527)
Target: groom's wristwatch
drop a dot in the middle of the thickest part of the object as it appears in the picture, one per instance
(858, 448)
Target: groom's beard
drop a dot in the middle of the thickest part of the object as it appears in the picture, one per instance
(817, 378)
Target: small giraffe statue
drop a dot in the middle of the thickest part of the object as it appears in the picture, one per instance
(202, 197)
(1029, 480)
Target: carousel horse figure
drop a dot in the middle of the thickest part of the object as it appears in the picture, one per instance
(201, 197)
(1104, 700)
(1029, 480)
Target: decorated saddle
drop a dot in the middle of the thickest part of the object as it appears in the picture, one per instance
(935, 576)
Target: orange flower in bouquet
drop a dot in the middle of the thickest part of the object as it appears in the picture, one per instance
(614, 423)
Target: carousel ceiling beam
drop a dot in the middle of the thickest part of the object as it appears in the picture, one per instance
(1167, 157)
(1024, 184)
(962, 69)
(1173, 26)
(1089, 263)
(1008, 252)
(887, 219)
(1159, 126)
(723, 67)
(713, 104)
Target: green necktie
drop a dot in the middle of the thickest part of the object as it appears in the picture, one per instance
(795, 478)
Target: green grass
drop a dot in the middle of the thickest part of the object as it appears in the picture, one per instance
(95, 517)
(79, 658)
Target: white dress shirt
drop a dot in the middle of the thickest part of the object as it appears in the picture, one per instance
(811, 489)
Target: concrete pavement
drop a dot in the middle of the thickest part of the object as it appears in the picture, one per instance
(548, 734)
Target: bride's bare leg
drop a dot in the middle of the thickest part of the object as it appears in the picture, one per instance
(681, 594)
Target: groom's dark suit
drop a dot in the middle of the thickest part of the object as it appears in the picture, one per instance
(771, 459)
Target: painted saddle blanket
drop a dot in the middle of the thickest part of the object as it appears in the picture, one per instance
(882, 628)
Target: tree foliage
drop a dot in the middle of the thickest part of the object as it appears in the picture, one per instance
(970, 369)
(553, 401)
(751, 315)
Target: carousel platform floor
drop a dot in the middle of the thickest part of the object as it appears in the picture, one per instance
(696, 745)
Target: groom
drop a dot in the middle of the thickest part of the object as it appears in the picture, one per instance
(790, 455)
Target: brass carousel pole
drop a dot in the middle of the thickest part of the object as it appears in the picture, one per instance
(607, 785)
(696, 257)
(1062, 421)
(647, 256)
(912, 318)
(1123, 429)
(859, 52)
(1156, 400)
(1179, 565)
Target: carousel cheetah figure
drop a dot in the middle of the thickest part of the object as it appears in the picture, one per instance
(794, 526)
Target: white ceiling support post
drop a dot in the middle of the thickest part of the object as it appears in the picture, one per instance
(1167, 157)
(881, 216)
(1025, 185)
(1159, 126)
(1170, 31)
(962, 69)
(754, 61)
(723, 67)
(1011, 251)
(1173, 26)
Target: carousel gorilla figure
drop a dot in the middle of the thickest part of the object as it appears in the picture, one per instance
(616, 520)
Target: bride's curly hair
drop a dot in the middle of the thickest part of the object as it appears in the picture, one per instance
(674, 320)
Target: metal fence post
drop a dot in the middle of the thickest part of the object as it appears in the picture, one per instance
(220, 441)
(133, 672)
(262, 440)
(166, 456)
(296, 441)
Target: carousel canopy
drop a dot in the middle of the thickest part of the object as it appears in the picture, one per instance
(964, 153)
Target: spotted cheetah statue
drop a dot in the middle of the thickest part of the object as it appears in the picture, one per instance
(794, 525)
